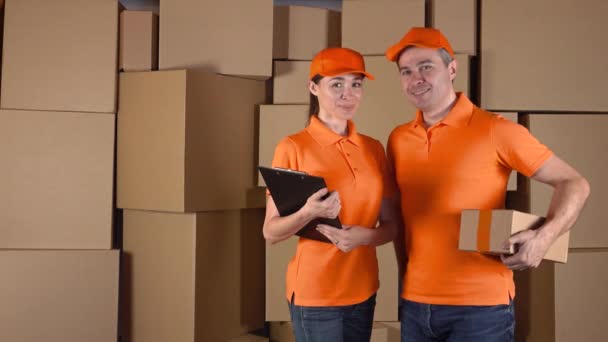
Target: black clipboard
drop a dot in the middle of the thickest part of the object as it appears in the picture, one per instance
(289, 190)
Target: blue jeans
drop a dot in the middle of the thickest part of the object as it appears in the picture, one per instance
(455, 323)
(349, 323)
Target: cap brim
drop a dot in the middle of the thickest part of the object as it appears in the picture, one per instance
(349, 71)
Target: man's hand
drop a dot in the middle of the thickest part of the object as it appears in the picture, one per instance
(347, 238)
(531, 247)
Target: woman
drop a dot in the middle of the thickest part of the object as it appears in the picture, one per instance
(331, 287)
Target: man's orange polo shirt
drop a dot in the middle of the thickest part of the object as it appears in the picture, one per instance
(355, 165)
(461, 162)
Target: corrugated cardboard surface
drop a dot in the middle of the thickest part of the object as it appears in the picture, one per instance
(277, 122)
(249, 338)
(383, 106)
(186, 141)
(229, 37)
(462, 82)
(277, 258)
(300, 32)
(279, 255)
(372, 26)
(580, 140)
(281, 332)
(60, 55)
(57, 180)
(290, 82)
(544, 47)
(564, 302)
(59, 296)
(192, 277)
(502, 224)
(138, 41)
(379, 333)
(457, 20)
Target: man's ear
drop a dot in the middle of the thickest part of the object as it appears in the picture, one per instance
(313, 88)
(452, 69)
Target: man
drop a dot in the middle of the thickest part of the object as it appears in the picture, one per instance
(456, 156)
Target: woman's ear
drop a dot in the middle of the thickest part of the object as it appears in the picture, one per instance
(313, 88)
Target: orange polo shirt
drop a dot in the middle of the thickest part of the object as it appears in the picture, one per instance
(461, 162)
(355, 165)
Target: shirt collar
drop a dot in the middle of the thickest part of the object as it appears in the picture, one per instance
(458, 116)
(324, 136)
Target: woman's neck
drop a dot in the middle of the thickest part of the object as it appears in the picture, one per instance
(339, 126)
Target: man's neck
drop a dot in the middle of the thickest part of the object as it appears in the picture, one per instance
(433, 116)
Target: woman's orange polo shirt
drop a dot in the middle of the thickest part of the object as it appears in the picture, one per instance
(355, 165)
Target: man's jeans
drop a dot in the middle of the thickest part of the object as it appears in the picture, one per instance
(453, 323)
(350, 323)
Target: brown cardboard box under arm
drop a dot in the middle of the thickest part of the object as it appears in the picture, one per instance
(192, 276)
(138, 41)
(228, 37)
(485, 231)
(371, 26)
(59, 296)
(580, 140)
(60, 55)
(564, 302)
(56, 180)
(300, 32)
(185, 143)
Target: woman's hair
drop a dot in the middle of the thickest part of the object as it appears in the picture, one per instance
(313, 108)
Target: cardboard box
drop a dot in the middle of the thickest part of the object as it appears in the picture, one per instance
(57, 182)
(485, 231)
(59, 296)
(379, 333)
(393, 330)
(290, 82)
(563, 302)
(462, 82)
(60, 55)
(278, 257)
(281, 332)
(300, 32)
(277, 122)
(185, 143)
(227, 37)
(580, 140)
(249, 338)
(192, 277)
(528, 48)
(457, 20)
(138, 41)
(372, 26)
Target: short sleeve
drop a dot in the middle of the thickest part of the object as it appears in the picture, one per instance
(517, 148)
(285, 155)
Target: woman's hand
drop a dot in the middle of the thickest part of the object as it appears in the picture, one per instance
(347, 238)
(317, 207)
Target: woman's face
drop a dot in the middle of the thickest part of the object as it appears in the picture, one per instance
(339, 96)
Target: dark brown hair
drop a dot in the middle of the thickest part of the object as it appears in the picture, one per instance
(313, 108)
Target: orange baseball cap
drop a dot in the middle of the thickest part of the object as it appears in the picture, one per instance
(420, 36)
(338, 61)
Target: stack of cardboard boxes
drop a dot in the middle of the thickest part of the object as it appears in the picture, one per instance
(532, 68)
(186, 178)
(57, 133)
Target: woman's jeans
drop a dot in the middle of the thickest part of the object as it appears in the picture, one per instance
(349, 323)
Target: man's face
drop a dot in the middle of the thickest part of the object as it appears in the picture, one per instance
(425, 79)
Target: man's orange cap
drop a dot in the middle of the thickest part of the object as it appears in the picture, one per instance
(338, 61)
(420, 36)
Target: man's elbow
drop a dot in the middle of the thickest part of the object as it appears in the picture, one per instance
(585, 187)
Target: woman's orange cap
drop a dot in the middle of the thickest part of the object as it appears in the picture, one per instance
(338, 61)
